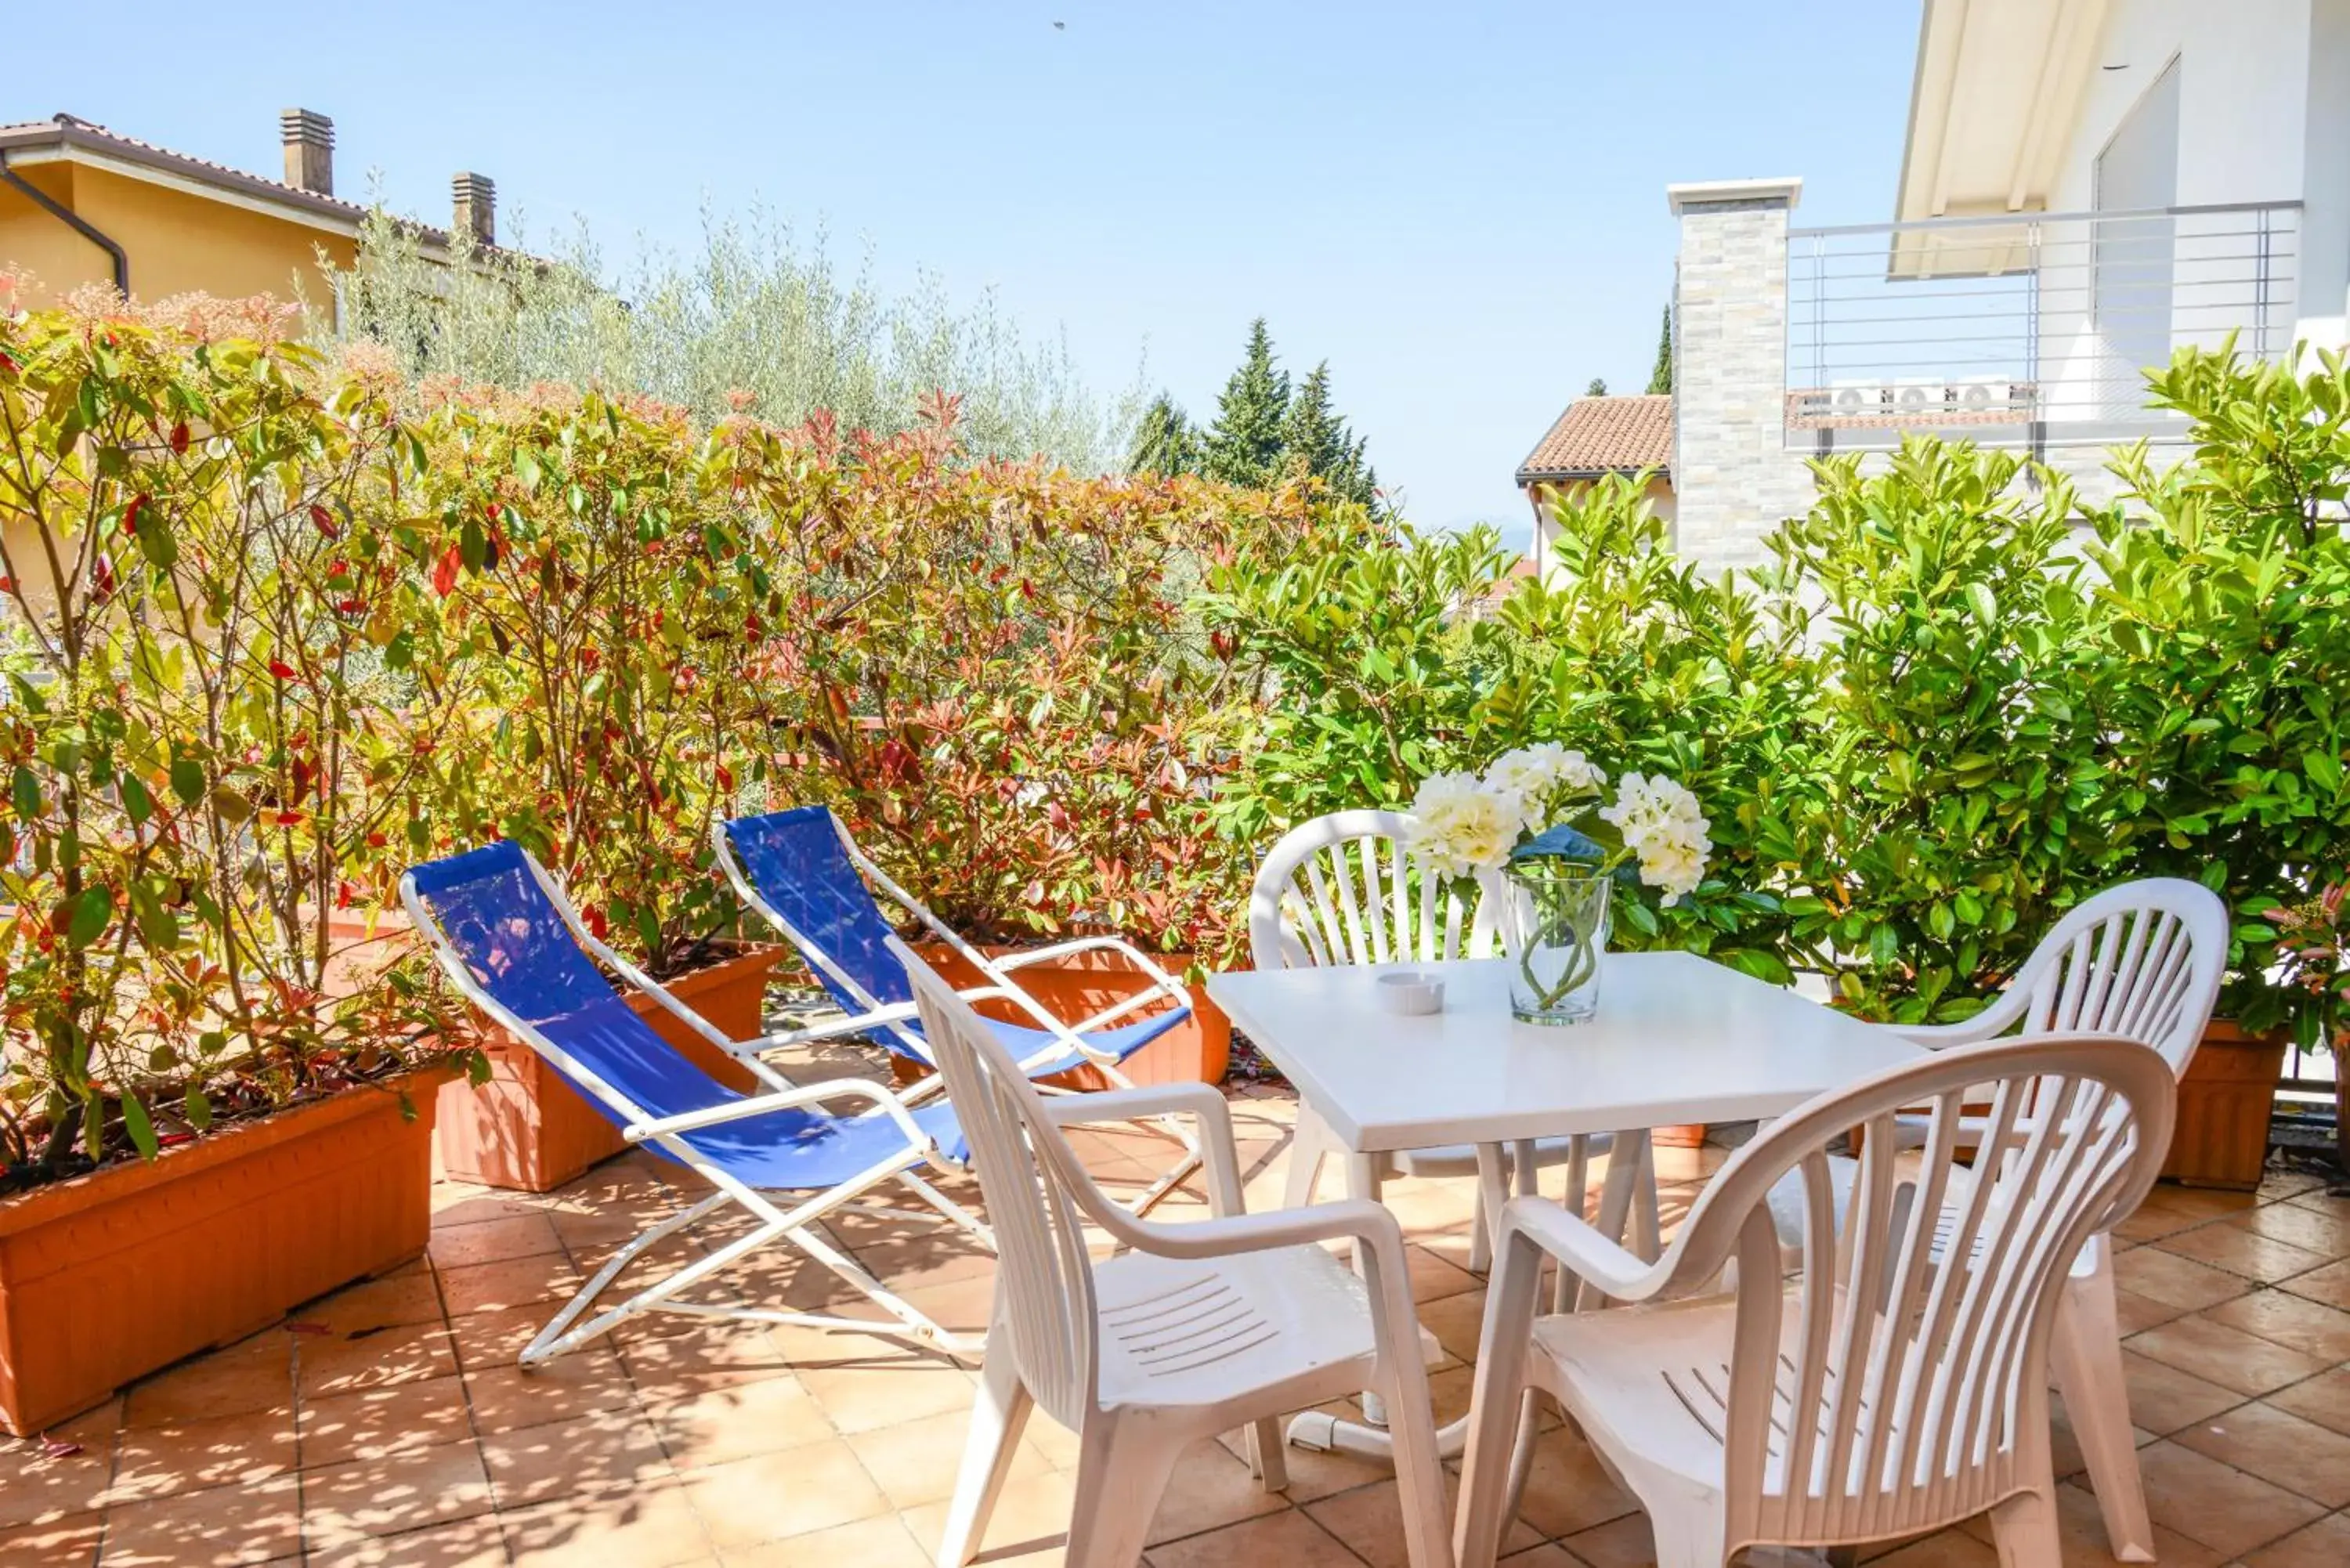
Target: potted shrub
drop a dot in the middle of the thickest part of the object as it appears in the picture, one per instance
(2313, 938)
(998, 683)
(2225, 620)
(207, 735)
(595, 582)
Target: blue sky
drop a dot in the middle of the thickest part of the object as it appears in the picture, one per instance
(1460, 206)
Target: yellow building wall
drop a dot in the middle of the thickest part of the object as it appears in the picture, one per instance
(177, 242)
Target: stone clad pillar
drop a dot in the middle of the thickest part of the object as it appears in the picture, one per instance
(1733, 478)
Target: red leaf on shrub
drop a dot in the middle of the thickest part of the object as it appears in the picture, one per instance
(324, 522)
(592, 918)
(180, 437)
(289, 819)
(344, 894)
(725, 777)
(444, 576)
(280, 669)
(102, 578)
(351, 607)
(130, 514)
(377, 841)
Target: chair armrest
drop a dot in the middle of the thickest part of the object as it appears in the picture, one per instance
(1218, 1156)
(1591, 1256)
(1161, 982)
(783, 1100)
(849, 1023)
(1349, 1219)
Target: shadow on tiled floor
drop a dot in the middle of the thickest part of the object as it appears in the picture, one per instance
(389, 1425)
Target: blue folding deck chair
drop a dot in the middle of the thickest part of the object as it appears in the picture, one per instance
(510, 941)
(803, 873)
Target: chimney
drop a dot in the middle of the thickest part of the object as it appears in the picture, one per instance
(309, 139)
(476, 208)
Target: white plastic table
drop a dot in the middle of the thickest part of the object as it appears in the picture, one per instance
(1676, 1039)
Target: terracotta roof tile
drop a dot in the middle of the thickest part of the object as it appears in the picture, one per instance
(1604, 435)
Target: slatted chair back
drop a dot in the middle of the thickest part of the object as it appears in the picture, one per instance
(1344, 890)
(1899, 1381)
(496, 911)
(2144, 960)
(1037, 1192)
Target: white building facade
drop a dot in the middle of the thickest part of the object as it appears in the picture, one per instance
(2087, 186)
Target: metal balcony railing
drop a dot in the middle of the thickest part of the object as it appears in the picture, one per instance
(2026, 329)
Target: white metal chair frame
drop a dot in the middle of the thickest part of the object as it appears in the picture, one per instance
(794, 1223)
(1194, 1329)
(893, 1017)
(1337, 889)
(1922, 1386)
(2143, 961)
(997, 982)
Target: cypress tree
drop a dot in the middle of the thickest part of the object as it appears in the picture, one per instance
(1164, 442)
(1315, 441)
(1661, 380)
(1244, 445)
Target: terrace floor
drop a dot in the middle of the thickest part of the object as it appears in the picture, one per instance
(388, 1424)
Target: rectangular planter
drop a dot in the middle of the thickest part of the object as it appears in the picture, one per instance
(528, 1130)
(118, 1273)
(1075, 988)
(2225, 1100)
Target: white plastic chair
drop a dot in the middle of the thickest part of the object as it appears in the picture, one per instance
(2143, 961)
(1341, 889)
(1201, 1327)
(1899, 1382)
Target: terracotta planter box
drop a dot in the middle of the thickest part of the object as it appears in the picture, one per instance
(112, 1275)
(529, 1130)
(1197, 1051)
(1690, 1136)
(2221, 1139)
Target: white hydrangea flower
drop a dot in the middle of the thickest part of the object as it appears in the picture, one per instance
(1663, 826)
(1538, 774)
(1460, 827)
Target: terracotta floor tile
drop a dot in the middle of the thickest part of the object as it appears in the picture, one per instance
(345, 1364)
(2325, 1545)
(2162, 1398)
(1621, 1543)
(2227, 1356)
(1210, 1489)
(2319, 1231)
(2231, 1246)
(1287, 1540)
(399, 1493)
(1947, 1549)
(255, 1374)
(1030, 1523)
(717, 1425)
(2149, 1223)
(469, 1544)
(210, 1529)
(68, 1543)
(2175, 1281)
(516, 1235)
(2324, 1399)
(508, 1283)
(879, 1542)
(1368, 1521)
(2330, 1284)
(36, 1488)
(1567, 1490)
(916, 1461)
(1549, 1554)
(1312, 1474)
(884, 1392)
(2139, 1312)
(1458, 1322)
(1434, 1278)
(581, 1382)
(2295, 1321)
(160, 1461)
(769, 1497)
(650, 1527)
(2277, 1445)
(590, 1453)
(2220, 1506)
(460, 1203)
(394, 1302)
(376, 1423)
(2080, 1532)
(2206, 1201)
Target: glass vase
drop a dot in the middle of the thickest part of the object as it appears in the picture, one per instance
(1553, 924)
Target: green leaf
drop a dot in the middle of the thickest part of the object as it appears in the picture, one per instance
(24, 795)
(141, 1130)
(198, 1107)
(187, 780)
(89, 914)
(137, 804)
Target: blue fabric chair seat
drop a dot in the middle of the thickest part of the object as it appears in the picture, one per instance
(798, 1151)
(1022, 1040)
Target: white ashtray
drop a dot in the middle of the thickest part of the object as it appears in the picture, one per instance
(1409, 992)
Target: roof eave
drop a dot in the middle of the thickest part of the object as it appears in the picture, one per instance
(1557, 475)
